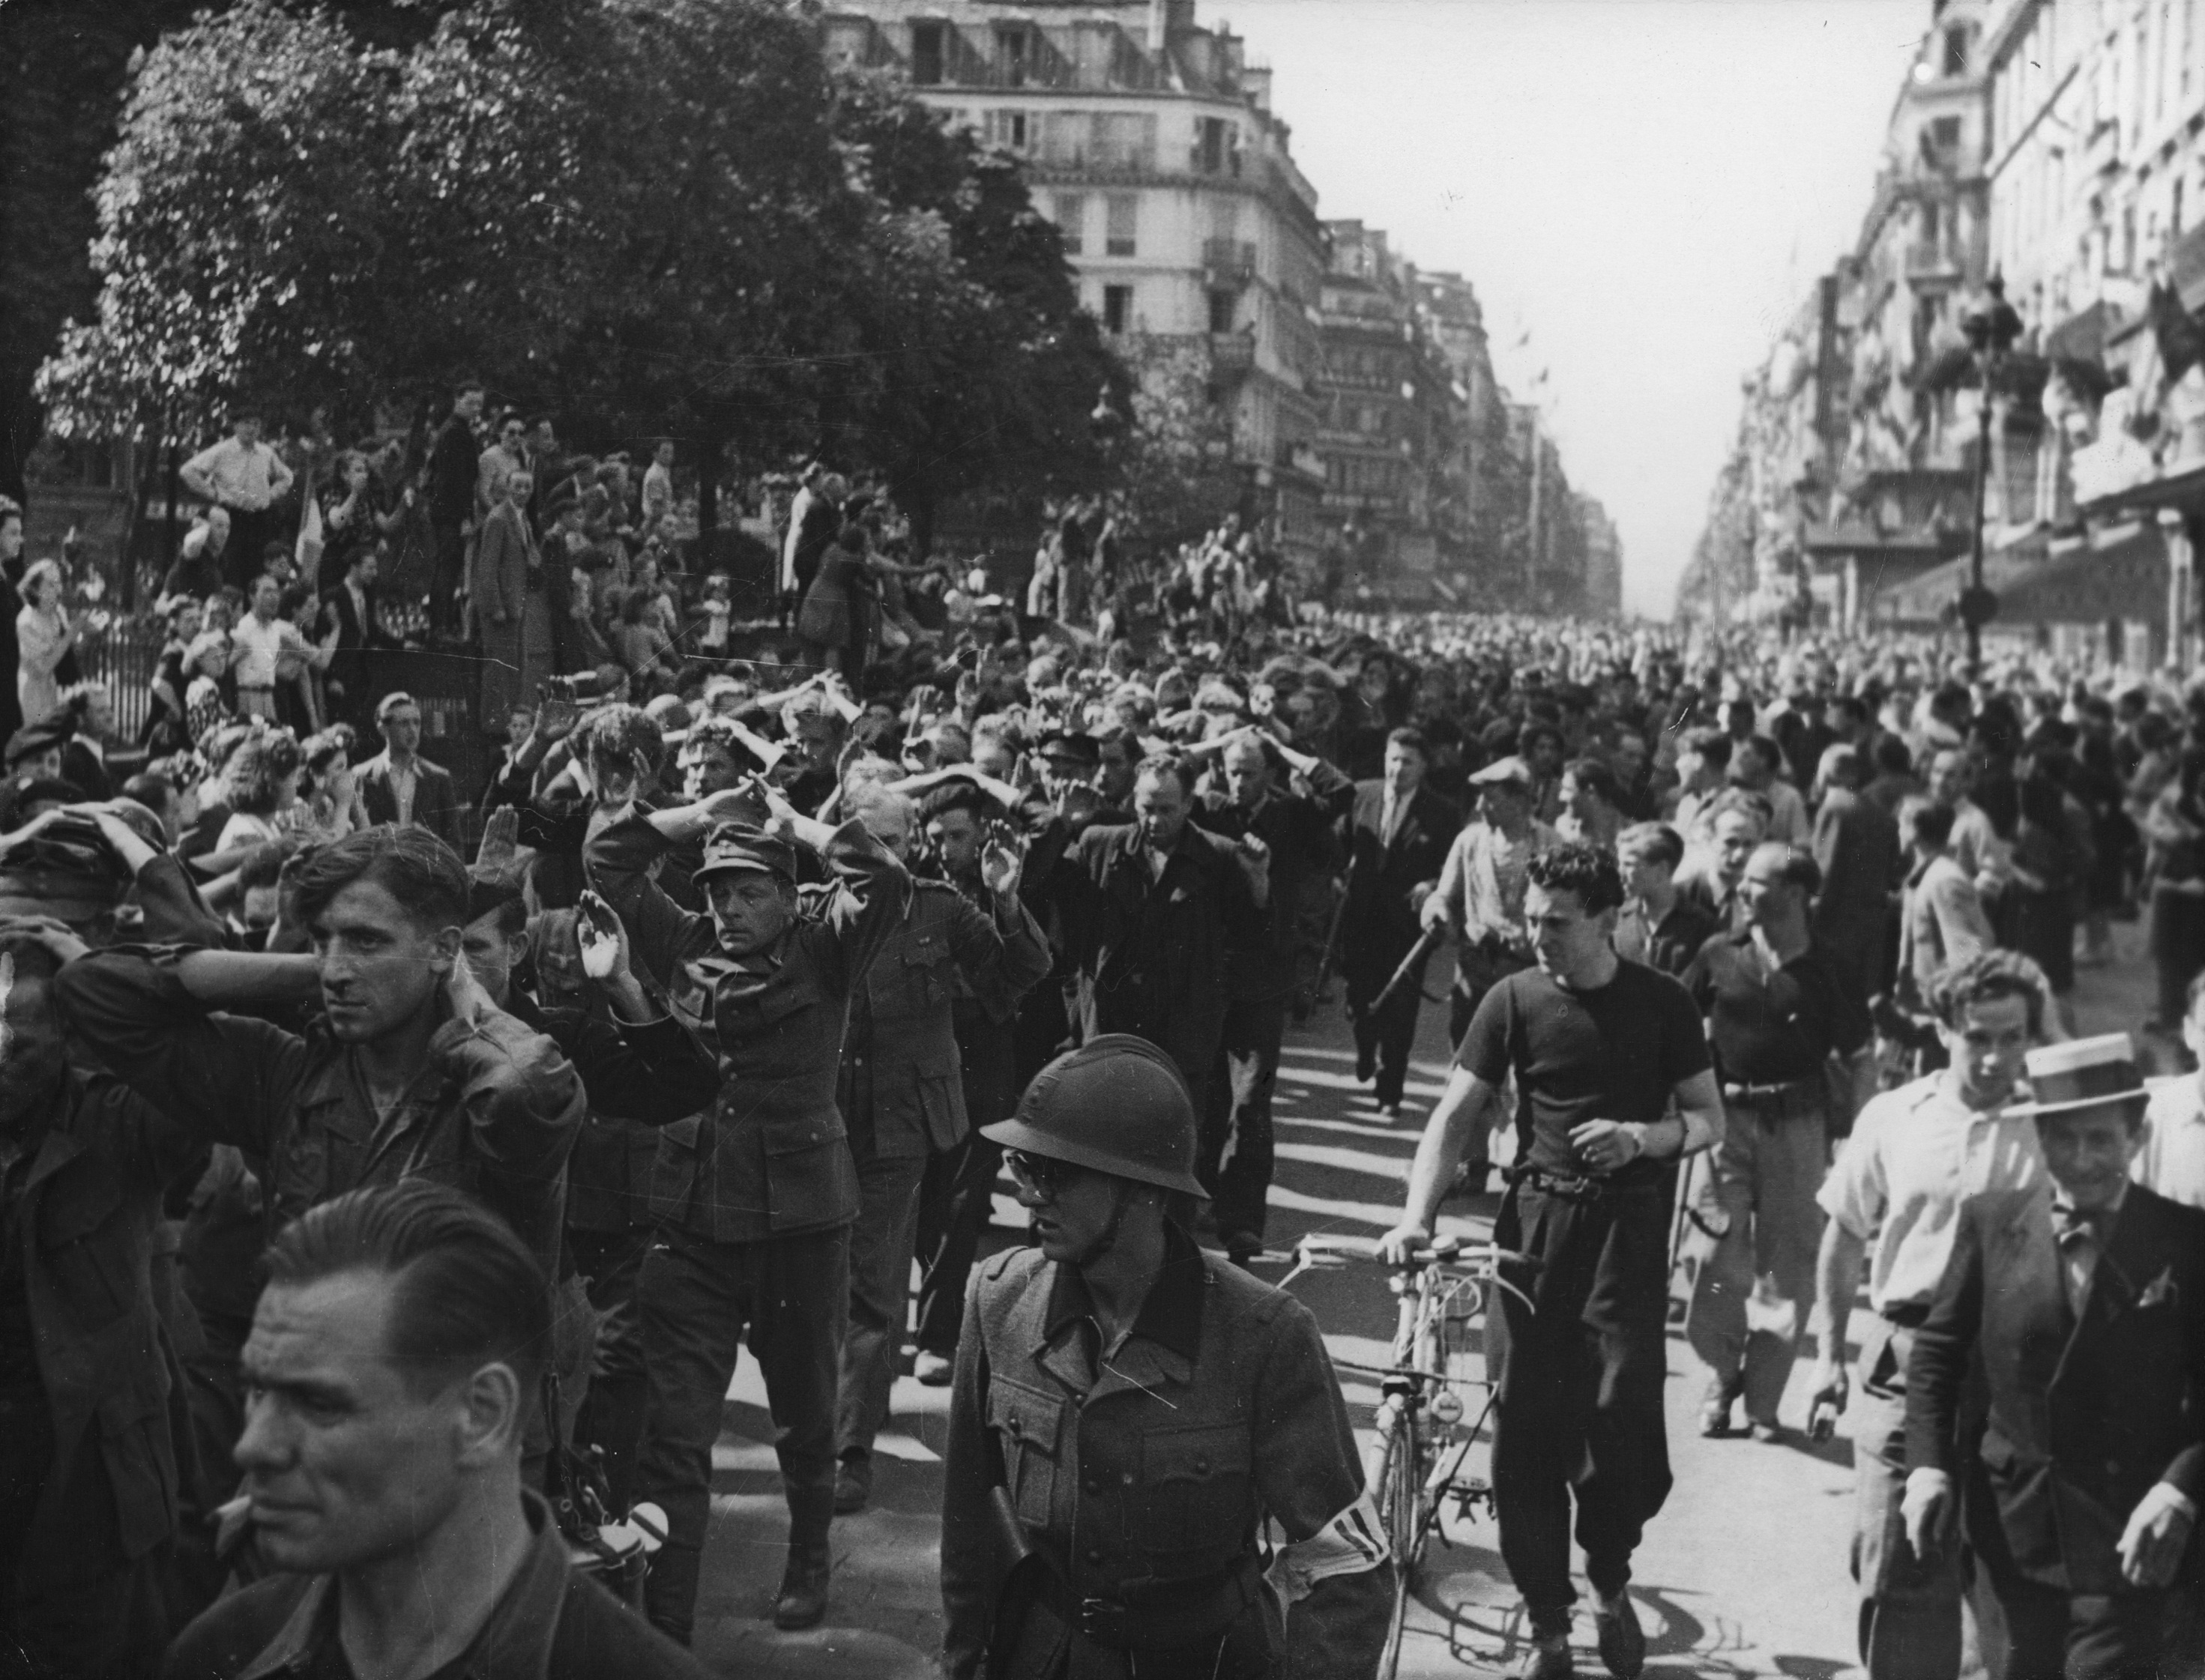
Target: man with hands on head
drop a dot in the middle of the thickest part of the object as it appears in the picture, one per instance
(412, 1071)
(1296, 823)
(902, 1097)
(2091, 1342)
(1602, 1051)
(755, 1197)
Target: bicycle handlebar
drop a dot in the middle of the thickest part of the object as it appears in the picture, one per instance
(1319, 1247)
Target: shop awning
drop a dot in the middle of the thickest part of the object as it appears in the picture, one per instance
(2124, 577)
(2185, 492)
(1925, 597)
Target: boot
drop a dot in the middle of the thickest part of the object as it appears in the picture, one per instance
(853, 1483)
(802, 1600)
(1550, 1658)
(1622, 1641)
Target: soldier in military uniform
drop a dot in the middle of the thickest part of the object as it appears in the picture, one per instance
(1127, 1413)
(757, 1196)
(903, 1101)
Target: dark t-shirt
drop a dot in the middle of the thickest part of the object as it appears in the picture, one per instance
(1771, 1029)
(1610, 1054)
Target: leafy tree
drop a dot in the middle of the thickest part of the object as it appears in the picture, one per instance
(1175, 455)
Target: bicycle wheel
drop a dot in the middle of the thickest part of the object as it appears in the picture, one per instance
(1401, 1497)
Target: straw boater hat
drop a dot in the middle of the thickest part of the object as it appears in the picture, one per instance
(2083, 1073)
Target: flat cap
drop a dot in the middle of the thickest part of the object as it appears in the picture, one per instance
(734, 846)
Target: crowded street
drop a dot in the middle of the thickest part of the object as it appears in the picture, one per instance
(1057, 839)
(1741, 1574)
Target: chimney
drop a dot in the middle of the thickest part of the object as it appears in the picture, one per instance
(1256, 83)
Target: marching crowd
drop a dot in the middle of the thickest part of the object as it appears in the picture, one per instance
(383, 1227)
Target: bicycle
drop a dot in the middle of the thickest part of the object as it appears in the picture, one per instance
(1416, 1464)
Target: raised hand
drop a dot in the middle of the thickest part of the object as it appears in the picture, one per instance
(555, 718)
(603, 939)
(501, 841)
(469, 1003)
(1002, 862)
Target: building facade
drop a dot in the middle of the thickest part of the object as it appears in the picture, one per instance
(1148, 140)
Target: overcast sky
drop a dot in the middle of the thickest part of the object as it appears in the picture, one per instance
(1648, 187)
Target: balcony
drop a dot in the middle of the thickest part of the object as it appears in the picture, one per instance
(1229, 262)
(1232, 355)
(1934, 263)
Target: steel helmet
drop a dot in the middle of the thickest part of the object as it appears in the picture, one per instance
(1116, 1105)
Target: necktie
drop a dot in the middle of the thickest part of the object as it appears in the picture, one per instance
(2079, 1247)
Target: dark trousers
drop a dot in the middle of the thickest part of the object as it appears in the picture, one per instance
(697, 1299)
(880, 1298)
(611, 1415)
(1578, 1383)
(250, 534)
(1390, 1034)
(955, 1198)
(1235, 1163)
(448, 565)
(2057, 1637)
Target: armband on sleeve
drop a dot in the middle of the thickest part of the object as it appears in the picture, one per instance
(1351, 1542)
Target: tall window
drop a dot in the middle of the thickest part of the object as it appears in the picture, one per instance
(1010, 44)
(1221, 311)
(1009, 129)
(1121, 230)
(1213, 144)
(1117, 308)
(926, 54)
(1072, 221)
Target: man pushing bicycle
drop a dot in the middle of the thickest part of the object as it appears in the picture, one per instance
(1128, 1410)
(1601, 1049)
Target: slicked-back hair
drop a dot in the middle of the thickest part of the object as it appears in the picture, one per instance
(466, 1292)
(1658, 841)
(411, 865)
(1588, 870)
(950, 796)
(617, 733)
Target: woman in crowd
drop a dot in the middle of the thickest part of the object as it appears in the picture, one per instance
(330, 802)
(44, 636)
(836, 621)
(262, 783)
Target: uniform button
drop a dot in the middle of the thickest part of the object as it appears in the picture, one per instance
(1095, 1555)
(1015, 1428)
(1126, 1478)
(1093, 1484)
(1202, 1467)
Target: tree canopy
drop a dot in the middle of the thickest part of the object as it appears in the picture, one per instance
(663, 214)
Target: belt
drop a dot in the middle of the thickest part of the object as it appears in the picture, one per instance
(1777, 1092)
(1158, 1616)
(1906, 1314)
(1578, 1186)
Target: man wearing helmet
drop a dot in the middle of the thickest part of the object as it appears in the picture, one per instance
(1127, 1413)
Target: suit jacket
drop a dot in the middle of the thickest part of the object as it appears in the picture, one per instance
(1856, 845)
(1381, 920)
(453, 461)
(435, 806)
(350, 669)
(498, 579)
(2086, 1413)
(1942, 922)
(84, 769)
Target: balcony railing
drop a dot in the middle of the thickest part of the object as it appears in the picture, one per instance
(1229, 262)
(1231, 353)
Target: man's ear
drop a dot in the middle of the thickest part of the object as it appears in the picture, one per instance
(516, 945)
(492, 1412)
(445, 949)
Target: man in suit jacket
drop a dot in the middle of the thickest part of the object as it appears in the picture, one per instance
(1856, 848)
(398, 785)
(453, 460)
(1941, 923)
(1398, 840)
(2092, 1342)
(350, 608)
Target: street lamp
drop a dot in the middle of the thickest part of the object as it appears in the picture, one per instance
(1990, 328)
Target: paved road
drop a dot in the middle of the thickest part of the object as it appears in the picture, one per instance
(1743, 1573)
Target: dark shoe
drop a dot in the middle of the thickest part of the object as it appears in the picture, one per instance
(853, 1486)
(1366, 1065)
(1622, 1641)
(802, 1600)
(1550, 1658)
(1392, 1111)
(934, 1370)
(1766, 1431)
(1240, 1246)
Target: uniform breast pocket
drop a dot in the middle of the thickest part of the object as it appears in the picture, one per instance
(1026, 1423)
(673, 1169)
(1194, 1487)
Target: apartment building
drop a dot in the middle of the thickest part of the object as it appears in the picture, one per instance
(1151, 141)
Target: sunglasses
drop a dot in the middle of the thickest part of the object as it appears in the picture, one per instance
(1042, 1174)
